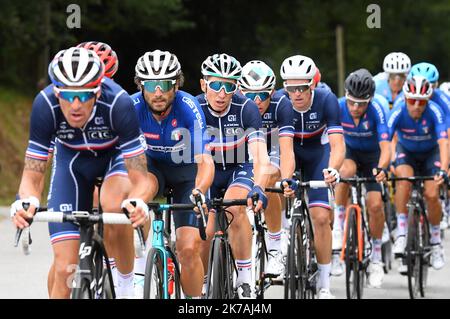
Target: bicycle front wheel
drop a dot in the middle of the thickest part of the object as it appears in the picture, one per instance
(154, 275)
(297, 274)
(219, 276)
(352, 280)
(412, 254)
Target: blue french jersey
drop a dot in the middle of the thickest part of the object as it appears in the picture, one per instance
(312, 127)
(277, 122)
(113, 125)
(371, 129)
(231, 132)
(180, 136)
(417, 135)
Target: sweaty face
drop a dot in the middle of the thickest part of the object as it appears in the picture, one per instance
(159, 101)
(261, 100)
(77, 113)
(356, 107)
(416, 108)
(219, 101)
(300, 100)
(396, 81)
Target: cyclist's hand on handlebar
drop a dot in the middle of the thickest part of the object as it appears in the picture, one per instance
(289, 186)
(197, 195)
(22, 210)
(331, 176)
(440, 177)
(262, 199)
(380, 174)
(138, 211)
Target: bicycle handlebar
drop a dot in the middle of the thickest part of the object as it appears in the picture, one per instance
(310, 184)
(42, 215)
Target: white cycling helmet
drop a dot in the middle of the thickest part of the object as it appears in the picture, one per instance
(76, 67)
(298, 67)
(417, 87)
(257, 76)
(158, 65)
(396, 62)
(445, 87)
(223, 66)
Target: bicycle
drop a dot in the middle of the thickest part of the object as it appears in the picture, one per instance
(162, 271)
(418, 248)
(356, 248)
(302, 270)
(91, 279)
(221, 266)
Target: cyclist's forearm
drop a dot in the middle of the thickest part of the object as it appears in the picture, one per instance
(443, 152)
(205, 172)
(287, 157)
(261, 163)
(32, 178)
(137, 173)
(385, 154)
(337, 153)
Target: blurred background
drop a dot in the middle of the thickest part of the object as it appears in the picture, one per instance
(340, 36)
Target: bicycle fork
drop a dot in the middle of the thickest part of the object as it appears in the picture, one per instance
(158, 243)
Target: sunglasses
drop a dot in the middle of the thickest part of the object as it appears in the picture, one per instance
(163, 85)
(261, 95)
(292, 88)
(70, 95)
(413, 102)
(356, 102)
(216, 86)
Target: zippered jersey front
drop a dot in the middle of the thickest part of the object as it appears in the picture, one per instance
(180, 136)
(277, 122)
(418, 135)
(231, 132)
(312, 127)
(371, 129)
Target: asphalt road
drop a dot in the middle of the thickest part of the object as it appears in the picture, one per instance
(26, 276)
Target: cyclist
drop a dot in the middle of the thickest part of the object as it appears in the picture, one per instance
(111, 62)
(422, 148)
(368, 152)
(319, 150)
(430, 72)
(397, 66)
(97, 134)
(235, 127)
(257, 83)
(174, 126)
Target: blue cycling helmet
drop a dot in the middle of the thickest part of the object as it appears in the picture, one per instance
(425, 69)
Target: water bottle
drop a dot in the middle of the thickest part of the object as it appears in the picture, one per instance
(170, 275)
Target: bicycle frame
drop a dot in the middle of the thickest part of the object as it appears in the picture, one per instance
(360, 221)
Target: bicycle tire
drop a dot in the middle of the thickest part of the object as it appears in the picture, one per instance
(177, 275)
(83, 292)
(154, 275)
(412, 255)
(298, 267)
(424, 261)
(218, 274)
(351, 259)
(260, 264)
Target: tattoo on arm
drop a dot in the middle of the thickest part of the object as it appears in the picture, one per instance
(138, 163)
(35, 165)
